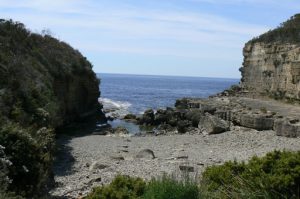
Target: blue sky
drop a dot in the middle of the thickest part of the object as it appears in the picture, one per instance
(158, 37)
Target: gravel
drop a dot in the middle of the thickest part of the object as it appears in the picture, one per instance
(92, 160)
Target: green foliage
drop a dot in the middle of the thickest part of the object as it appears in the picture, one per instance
(274, 176)
(277, 175)
(286, 32)
(8, 195)
(170, 188)
(122, 187)
(44, 84)
(125, 187)
(30, 158)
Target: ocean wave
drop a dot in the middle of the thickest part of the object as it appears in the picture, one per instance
(109, 103)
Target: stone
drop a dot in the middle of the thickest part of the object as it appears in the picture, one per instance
(165, 127)
(182, 126)
(117, 158)
(182, 157)
(287, 127)
(97, 179)
(194, 116)
(161, 117)
(121, 131)
(146, 154)
(147, 118)
(130, 117)
(182, 103)
(212, 124)
(96, 165)
(186, 168)
(256, 121)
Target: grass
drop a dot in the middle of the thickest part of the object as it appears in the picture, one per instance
(168, 187)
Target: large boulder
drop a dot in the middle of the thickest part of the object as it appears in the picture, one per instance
(256, 121)
(194, 116)
(147, 118)
(213, 125)
(145, 154)
(183, 125)
(287, 127)
(161, 116)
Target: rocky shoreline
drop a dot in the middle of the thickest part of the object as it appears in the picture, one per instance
(220, 113)
(250, 129)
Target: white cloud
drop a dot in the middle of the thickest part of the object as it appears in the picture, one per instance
(131, 29)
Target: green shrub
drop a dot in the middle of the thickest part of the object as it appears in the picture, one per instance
(30, 158)
(7, 195)
(277, 175)
(170, 188)
(44, 84)
(287, 32)
(122, 187)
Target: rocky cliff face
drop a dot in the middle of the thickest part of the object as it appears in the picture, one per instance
(272, 62)
(44, 84)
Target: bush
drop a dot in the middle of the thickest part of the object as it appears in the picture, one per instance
(277, 175)
(287, 32)
(122, 187)
(30, 158)
(125, 187)
(44, 84)
(170, 188)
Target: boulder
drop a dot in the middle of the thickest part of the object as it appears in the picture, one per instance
(287, 127)
(117, 157)
(120, 131)
(97, 166)
(186, 168)
(182, 126)
(161, 116)
(182, 103)
(130, 117)
(146, 154)
(194, 116)
(212, 124)
(148, 117)
(256, 121)
(165, 127)
(207, 108)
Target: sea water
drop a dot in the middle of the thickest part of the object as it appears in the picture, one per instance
(136, 93)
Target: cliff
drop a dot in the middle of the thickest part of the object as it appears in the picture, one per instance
(272, 62)
(44, 84)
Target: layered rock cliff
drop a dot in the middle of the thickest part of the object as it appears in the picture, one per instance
(272, 62)
(44, 84)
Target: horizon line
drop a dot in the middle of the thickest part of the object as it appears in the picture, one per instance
(108, 73)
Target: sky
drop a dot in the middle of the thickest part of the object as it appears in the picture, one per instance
(156, 37)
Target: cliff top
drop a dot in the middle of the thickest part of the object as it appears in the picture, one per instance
(288, 31)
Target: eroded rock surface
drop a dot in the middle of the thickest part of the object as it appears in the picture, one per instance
(272, 62)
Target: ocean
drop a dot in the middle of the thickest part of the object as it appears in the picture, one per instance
(136, 93)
